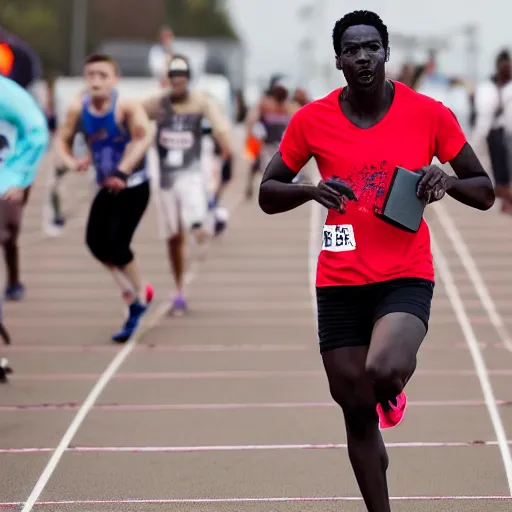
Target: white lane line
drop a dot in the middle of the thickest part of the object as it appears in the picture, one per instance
(87, 405)
(244, 448)
(469, 264)
(478, 360)
(218, 501)
(93, 396)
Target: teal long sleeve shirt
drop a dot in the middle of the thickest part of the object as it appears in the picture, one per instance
(24, 136)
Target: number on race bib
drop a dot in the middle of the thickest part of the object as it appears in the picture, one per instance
(338, 238)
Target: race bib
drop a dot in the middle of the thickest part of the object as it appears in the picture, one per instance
(174, 158)
(176, 140)
(338, 238)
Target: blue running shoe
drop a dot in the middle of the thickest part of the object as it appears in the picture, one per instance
(136, 311)
(14, 292)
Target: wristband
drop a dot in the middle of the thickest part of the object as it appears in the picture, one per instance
(119, 174)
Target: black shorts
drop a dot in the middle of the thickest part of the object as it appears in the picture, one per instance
(347, 314)
(112, 222)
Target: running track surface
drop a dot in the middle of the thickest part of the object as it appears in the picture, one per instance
(228, 409)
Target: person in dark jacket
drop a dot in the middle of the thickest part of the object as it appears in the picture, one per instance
(26, 66)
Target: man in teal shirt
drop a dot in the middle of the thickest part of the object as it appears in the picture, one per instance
(24, 139)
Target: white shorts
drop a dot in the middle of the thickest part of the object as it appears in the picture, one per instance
(183, 205)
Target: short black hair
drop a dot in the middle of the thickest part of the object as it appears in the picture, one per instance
(101, 57)
(359, 18)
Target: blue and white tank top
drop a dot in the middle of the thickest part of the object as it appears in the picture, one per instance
(107, 142)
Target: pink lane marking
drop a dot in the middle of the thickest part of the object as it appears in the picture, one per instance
(200, 501)
(249, 374)
(165, 348)
(229, 406)
(461, 373)
(438, 347)
(199, 347)
(240, 448)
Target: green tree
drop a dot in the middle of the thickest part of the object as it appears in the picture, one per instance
(43, 26)
(200, 18)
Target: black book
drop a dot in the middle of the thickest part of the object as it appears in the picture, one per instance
(402, 207)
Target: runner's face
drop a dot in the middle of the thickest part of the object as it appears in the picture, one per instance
(362, 57)
(165, 36)
(100, 78)
(179, 85)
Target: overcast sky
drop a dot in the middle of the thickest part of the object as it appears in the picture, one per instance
(272, 31)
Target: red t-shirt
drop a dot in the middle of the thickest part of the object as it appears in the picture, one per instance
(414, 131)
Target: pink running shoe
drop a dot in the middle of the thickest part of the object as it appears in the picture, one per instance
(393, 417)
(150, 292)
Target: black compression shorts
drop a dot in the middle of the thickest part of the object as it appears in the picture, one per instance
(112, 222)
(347, 314)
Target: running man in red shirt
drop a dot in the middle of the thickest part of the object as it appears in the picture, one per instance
(375, 281)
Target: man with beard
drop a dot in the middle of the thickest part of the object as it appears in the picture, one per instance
(181, 197)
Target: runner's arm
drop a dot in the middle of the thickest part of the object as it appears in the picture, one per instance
(141, 133)
(277, 192)
(472, 186)
(152, 104)
(66, 134)
(221, 128)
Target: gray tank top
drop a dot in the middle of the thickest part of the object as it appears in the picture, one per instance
(178, 142)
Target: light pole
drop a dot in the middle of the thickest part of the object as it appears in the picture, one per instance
(78, 35)
(471, 32)
(306, 45)
(313, 68)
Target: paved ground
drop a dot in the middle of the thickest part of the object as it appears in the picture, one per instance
(228, 409)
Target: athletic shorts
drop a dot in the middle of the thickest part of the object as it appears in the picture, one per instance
(347, 314)
(184, 205)
(113, 219)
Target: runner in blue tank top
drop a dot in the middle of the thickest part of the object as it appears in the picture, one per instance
(118, 135)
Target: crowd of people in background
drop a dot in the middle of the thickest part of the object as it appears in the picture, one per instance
(484, 111)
